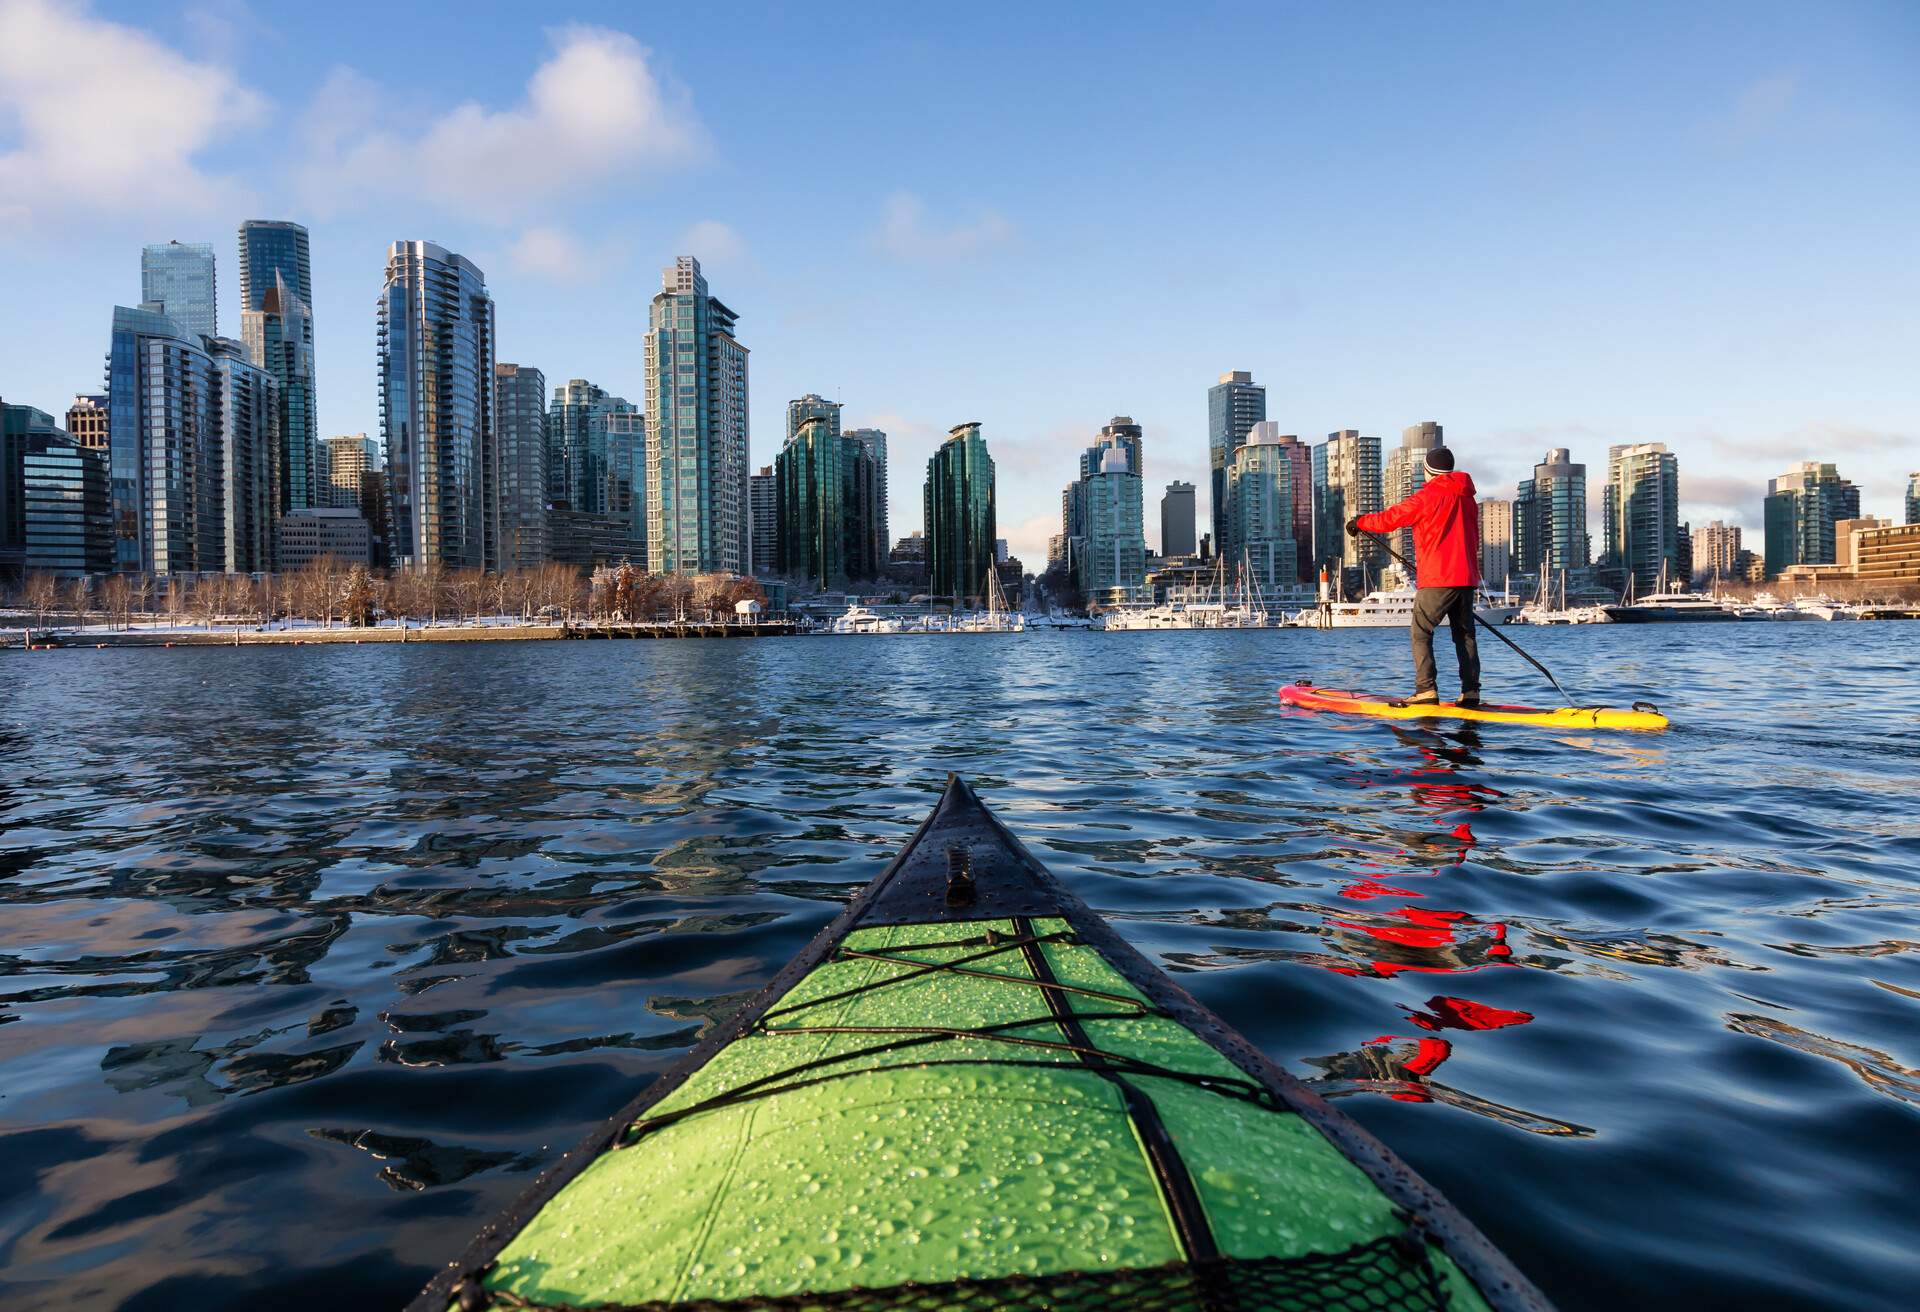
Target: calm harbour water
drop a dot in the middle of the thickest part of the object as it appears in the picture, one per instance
(310, 957)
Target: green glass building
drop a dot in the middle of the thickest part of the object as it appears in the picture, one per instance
(959, 507)
(1641, 510)
(809, 473)
(1801, 508)
(696, 451)
(1261, 512)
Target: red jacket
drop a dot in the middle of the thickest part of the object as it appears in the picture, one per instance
(1446, 530)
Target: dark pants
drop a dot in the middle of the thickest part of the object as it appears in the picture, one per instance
(1455, 606)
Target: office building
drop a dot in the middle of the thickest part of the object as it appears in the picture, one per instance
(577, 427)
(697, 513)
(1913, 498)
(626, 480)
(862, 502)
(811, 542)
(1799, 514)
(1716, 550)
(1550, 517)
(177, 280)
(1235, 404)
(875, 441)
(1406, 473)
(19, 424)
(521, 447)
(344, 463)
(1496, 541)
(436, 356)
(67, 525)
(1287, 447)
(1176, 520)
(279, 338)
(764, 502)
(1846, 539)
(1641, 516)
(1113, 562)
(314, 534)
(250, 460)
(1346, 484)
(87, 421)
(1888, 557)
(193, 449)
(958, 501)
(1262, 511)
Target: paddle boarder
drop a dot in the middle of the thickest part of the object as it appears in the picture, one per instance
(1446, 544)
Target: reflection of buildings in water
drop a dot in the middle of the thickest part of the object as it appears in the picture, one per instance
(1417, 939)
(1878, 1069)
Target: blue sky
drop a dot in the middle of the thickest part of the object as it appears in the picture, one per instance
(1541, 225)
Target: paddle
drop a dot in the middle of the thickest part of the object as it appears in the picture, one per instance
(1494, 629)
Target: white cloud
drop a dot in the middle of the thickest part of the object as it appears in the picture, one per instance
(85, 93)
(713, 243)
(551, 253)
(906, 234)
(594, 111)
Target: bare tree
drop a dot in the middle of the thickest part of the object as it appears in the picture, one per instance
(43, 590)
(143, 592)
(80, 599)
(116, 599)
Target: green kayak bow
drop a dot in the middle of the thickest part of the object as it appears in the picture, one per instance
(969, 1092)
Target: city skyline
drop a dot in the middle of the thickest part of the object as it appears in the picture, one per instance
(1692, 329)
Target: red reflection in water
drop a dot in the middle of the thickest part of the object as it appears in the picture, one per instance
(1445, 1013)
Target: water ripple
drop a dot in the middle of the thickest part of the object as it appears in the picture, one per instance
(309, 958)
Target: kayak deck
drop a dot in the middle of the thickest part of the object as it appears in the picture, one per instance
(968, 1092)
(1308, 697)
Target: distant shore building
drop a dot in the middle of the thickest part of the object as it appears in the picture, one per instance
(193, 448)
(1550, 517)
(1113, 566)
(875, 442)
(87, 421)
(1262, 511)
(698, 518)
(1176, 521)
(1234, 405)
(436, 355)
(959, 508)
(1346, 484)
(177, 280)
(764, 502)
(1406, 473)
(577, 444)
(1887, 557)
(1641, 514)
(809, 475)
(1716, 551)
(521, 446)
(54, 516)
(1299, 457)
(345, 462)
(1496, 540)
(310, 535)
(1913, 498)
(1802, 506)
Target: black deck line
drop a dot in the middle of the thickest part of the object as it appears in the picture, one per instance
(1013, 883)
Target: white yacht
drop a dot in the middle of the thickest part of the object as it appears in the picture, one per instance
(860, 620)
(1671, 608)
(1390, 609)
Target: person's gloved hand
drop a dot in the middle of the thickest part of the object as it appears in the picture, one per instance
(1353, 528)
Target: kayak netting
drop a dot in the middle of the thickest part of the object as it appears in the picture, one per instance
(1392, 1274)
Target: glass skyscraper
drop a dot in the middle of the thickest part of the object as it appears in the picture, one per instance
(1550, 517)
(1299, 457)
(520, 445)
(577, 444)
(276, 322)
(875, 441)
(1235, 404)
(697, 512)
(1176, 521)
(1641, 513)
(1913, 498)
(1113, 561)
(764, 492)
(249, 412)
(435, 334)
(67, 521)
(811, 477)
(626, 478)
(959, 507)
(1801, 508)
(177, 280)
(1406, 473)
(1262, 512)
